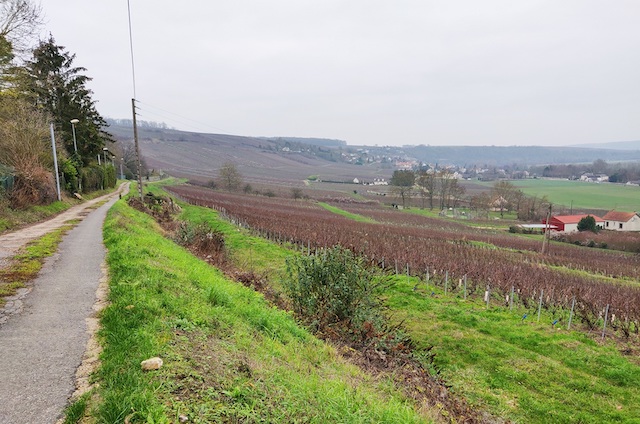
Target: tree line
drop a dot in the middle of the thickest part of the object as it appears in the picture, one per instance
(40, 84)
(441, 189)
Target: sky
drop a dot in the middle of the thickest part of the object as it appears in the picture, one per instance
(370, 72)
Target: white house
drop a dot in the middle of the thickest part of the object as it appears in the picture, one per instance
(594, 178)
(621, 221)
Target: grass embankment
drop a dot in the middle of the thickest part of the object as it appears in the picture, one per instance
(518, 368)
(342, 212)
(11, 219)
(515, 367)
(229, 356)
(26, 265)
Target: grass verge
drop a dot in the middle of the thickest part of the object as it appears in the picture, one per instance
(229, 356)
(26, 265)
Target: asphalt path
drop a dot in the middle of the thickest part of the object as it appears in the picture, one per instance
(42, 345)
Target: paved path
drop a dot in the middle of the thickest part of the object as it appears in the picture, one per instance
(43, 344)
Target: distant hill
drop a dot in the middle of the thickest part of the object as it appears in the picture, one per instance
(615, 145)
(293, 159)
(260, 160)
(521, 155)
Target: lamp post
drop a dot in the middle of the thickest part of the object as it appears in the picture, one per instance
(104, 153)
(73, 129)
(121, 174)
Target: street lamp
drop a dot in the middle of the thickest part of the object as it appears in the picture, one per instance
(121, 174)
(73, 129)
(104, 152)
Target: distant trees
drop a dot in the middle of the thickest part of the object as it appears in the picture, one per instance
(504, 195)
(402, 184)
(426, 182)
(229, 177)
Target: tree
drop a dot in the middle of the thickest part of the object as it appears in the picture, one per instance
(588, 223)
(297, 193)
(402, 182)
(445, 181)
(229, 177)
(456, 192)
(504, 193)
(427, 183)
(20, 21)
(480, 203)
(51, 82)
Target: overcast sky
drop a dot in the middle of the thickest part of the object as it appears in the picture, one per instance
(370, 72)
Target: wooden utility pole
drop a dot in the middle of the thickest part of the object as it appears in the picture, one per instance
(545, 239)
(135, 140)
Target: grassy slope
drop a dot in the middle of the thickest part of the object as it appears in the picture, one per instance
(228, 355)
(517, 369)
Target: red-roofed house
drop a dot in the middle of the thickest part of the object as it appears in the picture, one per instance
(622, 221)
(569, 223)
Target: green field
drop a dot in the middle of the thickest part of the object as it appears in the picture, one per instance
(583, 195)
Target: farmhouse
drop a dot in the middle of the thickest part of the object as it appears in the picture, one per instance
(594, 178)
(569, 223)
(621, 221)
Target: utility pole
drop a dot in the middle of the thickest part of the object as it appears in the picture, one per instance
(135, 140)
(545, 240)
(55, 161)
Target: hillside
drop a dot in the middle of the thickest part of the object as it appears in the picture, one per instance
(289, 160)
(260, 160)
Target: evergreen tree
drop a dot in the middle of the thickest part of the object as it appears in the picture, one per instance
(51, 82)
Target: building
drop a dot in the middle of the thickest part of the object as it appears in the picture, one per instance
(594, 178)
(621, 221)
(569, 223)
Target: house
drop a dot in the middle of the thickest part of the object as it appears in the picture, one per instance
(594, 178)
(621, 221)
(569, 223)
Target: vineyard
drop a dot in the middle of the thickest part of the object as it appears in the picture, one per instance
(595, 284)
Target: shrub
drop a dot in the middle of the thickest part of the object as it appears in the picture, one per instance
(588, 223)
(335, 294)
(201, 238)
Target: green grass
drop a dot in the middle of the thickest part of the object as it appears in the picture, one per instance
(342, 212)
(27, 263)
(519, 369)
(228, 359)
(11, 219)
(228, 355)
(583, 195)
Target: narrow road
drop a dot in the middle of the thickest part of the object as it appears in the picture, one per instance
(43, 344)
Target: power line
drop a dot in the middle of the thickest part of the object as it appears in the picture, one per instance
(133, 67)
(172, 116)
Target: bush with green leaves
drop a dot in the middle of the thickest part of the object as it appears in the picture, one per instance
(588, 223)
(336, 294)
